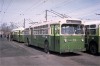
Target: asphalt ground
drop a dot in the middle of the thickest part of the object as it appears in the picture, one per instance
(18, 54)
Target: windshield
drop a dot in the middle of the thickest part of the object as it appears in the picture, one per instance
(71, 29)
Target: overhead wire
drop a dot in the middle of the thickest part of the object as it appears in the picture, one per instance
(2, 5)
(2, 8)
(4, 12)
(58, 6)
(43, 1)
(36, 6)
(66, 4)
(20, 24)
(8, 5)
(62, 4)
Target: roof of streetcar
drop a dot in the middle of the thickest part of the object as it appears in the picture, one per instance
(20, 28)
(58, 21)
(90, 22)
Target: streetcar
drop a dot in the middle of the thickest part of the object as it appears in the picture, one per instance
(18, 34)
(65, 35)
(92, 36)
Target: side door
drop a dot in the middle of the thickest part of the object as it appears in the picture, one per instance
(99, 30)
(86, 34)
(99, 39)
(54, 36)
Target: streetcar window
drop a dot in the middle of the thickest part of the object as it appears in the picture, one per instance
(92, 31)
(92, 26)
(71, 29)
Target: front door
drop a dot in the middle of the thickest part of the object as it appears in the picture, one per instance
(54, 36)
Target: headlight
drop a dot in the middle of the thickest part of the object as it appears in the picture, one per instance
(82, 39)
(65, 40)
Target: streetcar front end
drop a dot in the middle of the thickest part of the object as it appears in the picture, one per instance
(72, 36)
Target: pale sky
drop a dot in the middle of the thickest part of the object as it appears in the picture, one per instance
(34, 10)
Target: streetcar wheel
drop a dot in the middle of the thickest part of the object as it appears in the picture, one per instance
(93, 49)
(46, 47)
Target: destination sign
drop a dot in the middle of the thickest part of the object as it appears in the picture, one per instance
(73, 21)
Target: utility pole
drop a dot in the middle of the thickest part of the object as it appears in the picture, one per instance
(24, 23)
(56, 13)
(46, 15)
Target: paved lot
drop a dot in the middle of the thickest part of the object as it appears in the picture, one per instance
(17, 54)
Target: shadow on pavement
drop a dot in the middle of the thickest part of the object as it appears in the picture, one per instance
(91, 54)
(67, 54)
(37, 48)
(56, 53)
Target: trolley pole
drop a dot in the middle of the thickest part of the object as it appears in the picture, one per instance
(97, 14)
(24, 23)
